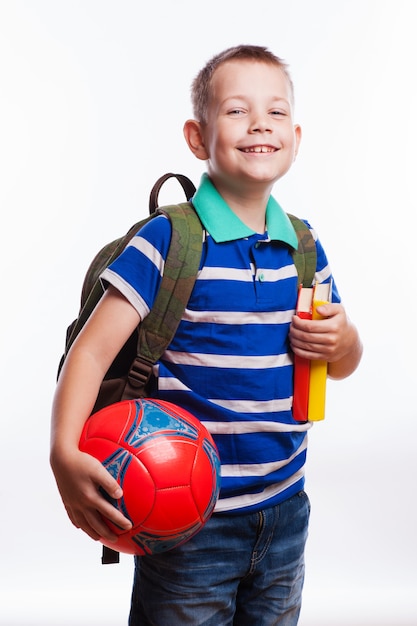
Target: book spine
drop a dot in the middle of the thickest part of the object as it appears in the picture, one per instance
(318, 379)
(301, 389)
(301, 376)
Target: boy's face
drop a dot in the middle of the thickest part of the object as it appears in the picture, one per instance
(250, 137)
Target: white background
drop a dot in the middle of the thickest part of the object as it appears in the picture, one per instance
(93, 96)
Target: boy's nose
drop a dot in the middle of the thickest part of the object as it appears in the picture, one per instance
(261, 124)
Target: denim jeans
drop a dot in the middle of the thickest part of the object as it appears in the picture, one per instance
(241, 570)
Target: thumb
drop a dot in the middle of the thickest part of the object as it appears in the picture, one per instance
(325, 310)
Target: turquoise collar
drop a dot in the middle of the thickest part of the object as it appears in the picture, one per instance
(224, 225)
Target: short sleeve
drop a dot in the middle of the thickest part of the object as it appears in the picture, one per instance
(137, 272)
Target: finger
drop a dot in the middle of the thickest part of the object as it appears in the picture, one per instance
(302, 327)
(80, 521)
(96, 527)
(311, 341)
(109, 495)
(110, 486)
(91, 518)
(72, 517)
(311, 355)
(108, 508)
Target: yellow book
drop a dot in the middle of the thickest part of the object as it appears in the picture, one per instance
(318, 369)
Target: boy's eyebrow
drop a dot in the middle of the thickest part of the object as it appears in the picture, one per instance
(243, 97)
(273, 101)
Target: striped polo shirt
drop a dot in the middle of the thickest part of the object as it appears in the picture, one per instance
(230, 362)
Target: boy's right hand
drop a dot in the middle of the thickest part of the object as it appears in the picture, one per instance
(79, 477)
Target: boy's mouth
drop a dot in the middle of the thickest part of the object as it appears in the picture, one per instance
(259, 149)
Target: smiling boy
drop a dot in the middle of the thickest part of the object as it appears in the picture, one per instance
(230, 363)
(247, 136)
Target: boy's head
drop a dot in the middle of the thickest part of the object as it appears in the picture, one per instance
(243, 126)
(201, 86)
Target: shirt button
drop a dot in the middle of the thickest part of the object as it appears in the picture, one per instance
(261, 277)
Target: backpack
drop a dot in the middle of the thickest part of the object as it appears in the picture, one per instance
(130, 372)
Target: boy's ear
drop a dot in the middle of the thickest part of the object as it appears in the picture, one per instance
(298, 134)
(194, 137)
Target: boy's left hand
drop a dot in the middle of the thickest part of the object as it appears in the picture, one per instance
(329, 339)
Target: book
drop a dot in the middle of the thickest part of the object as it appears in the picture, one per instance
(304, 309)
(318, 369)
(310, 377)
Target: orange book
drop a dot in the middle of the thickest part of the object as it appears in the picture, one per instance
(304, 309)
(318, 369)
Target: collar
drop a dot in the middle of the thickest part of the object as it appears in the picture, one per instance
(224, 225)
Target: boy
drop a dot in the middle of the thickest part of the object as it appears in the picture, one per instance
(230, 363)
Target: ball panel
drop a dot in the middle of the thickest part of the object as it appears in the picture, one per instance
(205, 478)
(139, 492)
(169, 460)
(149, 543)
(157, 420)
(125, 544)
(174, 510)
(111, 422)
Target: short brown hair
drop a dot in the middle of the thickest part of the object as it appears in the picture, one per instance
(200, 88)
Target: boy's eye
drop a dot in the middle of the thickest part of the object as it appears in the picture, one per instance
(240, 111)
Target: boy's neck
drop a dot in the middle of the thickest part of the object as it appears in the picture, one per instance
(249, 206)
(254, 218)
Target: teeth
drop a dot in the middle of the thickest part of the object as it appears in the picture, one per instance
(259, 149)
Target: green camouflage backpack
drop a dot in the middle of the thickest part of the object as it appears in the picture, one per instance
(130, 372)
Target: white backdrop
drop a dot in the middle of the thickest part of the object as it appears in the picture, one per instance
(93, 96)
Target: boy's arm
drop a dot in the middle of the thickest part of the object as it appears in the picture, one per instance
(333, 339)
(78, 475)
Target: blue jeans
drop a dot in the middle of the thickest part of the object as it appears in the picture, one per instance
(241, 570)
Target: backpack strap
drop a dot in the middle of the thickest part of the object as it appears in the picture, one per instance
(305, 257)
(187, 185)
(157, 330)
(181, 266)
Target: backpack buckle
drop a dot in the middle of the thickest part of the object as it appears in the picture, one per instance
(139, 373)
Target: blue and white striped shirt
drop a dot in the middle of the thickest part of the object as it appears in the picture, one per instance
(230, 363)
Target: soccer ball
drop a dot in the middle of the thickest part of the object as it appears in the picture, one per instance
(167, 464)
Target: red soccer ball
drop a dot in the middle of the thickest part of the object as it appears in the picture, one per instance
(167, 464)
